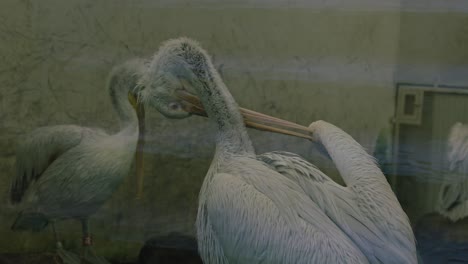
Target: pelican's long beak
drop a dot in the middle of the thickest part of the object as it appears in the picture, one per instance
(139, 153)
(139, 169)
(252, 119)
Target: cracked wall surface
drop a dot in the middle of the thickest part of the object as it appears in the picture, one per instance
(301, 64)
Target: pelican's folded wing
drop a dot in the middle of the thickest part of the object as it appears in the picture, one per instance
(337, 202)
(37, 150)
(253, 220)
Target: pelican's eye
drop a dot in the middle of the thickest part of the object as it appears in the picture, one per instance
(174, 106)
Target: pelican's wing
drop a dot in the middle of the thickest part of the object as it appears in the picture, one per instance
(263, 217)
(38, 149)
(453, 198)
(337, 202)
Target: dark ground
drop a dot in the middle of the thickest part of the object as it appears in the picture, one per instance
(439, 241)
(41, 258)
(173, 248)
(26, 258)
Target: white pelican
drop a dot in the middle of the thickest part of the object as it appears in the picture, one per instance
(453, 196)
(68, 171)
(276, 207)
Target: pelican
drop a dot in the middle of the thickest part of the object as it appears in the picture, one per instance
(276, 207)
(68, 171)
(453, 196)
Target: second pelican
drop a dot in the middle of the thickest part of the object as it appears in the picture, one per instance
(67, 171)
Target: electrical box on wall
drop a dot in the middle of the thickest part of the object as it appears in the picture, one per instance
(409, 105)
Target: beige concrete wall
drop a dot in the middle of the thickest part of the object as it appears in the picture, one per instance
(302, 64)
(433, 45)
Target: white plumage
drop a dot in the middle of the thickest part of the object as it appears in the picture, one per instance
(276, 207)
(67, 171)
(366, 210)
(453, 196)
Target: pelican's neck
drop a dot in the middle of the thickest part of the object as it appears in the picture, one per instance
(221, 108)
(127, 114)
(352, 161)
(372, 191)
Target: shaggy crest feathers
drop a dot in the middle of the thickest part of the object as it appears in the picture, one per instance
(172, 60)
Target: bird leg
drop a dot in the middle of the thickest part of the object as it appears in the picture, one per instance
(58, 244)
(66, 257)
(87, 241)
(88, 255)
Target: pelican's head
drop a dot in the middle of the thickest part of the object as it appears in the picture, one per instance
(121, 83)
(178, 71)
(172, 71)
